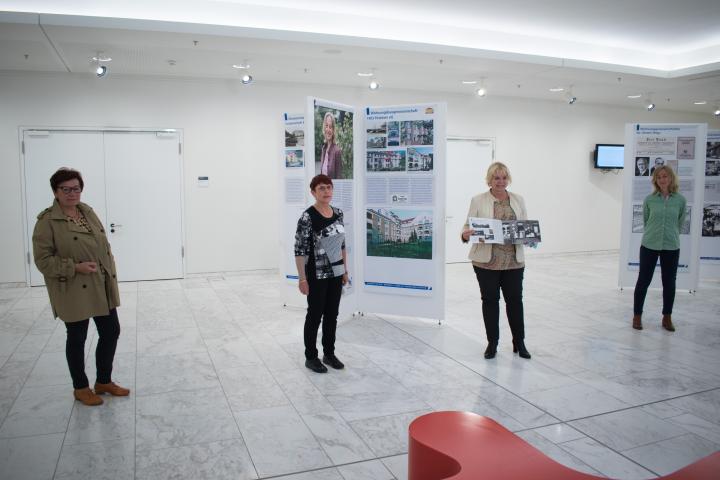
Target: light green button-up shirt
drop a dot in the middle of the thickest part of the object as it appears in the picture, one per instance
(663, 218)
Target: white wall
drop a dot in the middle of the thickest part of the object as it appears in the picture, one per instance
(233, 134)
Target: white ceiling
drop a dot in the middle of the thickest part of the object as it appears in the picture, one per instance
(605, 50)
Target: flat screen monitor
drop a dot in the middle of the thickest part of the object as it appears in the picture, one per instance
(609, 156)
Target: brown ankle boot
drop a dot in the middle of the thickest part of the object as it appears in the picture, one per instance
(637, 322)
(87, 397)
(667, 323)
(112, 389)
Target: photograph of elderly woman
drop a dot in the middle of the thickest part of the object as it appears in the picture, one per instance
(333, 142)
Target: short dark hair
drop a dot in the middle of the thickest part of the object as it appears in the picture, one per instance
(320, 179)
(63, 175)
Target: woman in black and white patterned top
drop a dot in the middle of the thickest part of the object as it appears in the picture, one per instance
(322, 269)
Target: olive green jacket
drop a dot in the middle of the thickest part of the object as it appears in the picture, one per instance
(58, 244)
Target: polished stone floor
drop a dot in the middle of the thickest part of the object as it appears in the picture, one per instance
(220, 391)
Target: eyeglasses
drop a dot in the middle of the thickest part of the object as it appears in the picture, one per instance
(69, 190)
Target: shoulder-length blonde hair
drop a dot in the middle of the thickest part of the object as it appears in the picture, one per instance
(674, 185)
(495, 168)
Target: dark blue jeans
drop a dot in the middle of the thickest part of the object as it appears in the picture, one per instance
(108, 327)
(668, 271)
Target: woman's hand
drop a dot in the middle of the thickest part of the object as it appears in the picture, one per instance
(86, 267)
(303, 286)
(466, 234)
(345, 279)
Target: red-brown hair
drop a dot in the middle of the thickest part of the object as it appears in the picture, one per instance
(320, 179)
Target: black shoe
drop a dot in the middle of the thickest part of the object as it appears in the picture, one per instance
(519, 348)
(315, 365)
(333, 361)
(491, 350)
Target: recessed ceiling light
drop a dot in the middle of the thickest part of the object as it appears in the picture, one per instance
(365, 74)
(101, 58)
(634, 96)
(557, 89)
(241, 66)
(374, 85)
(481, 92)
(469, 82)
(701, 102)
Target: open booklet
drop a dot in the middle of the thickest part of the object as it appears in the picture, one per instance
(489, 230)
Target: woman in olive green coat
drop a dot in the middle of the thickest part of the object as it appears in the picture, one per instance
(72, 252)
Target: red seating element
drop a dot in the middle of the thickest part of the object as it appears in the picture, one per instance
(467, 446)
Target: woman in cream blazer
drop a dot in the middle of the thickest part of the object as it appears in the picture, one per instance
(499, 267)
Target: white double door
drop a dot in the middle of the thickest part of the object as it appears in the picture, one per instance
(133, 181)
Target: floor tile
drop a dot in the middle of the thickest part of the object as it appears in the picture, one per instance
(30, 458)
(110, 460)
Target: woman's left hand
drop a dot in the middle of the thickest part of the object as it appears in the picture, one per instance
(345, 279)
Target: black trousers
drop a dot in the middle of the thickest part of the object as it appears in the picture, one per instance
(510, 282)
(668, 271)
(108, 327)
(323, 304)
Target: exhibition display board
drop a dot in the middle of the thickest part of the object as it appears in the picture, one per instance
(390, 163)
(294, 200)
(403, 195)
(710, 231)
(679, 146)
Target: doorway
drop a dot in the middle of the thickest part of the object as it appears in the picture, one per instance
(467, 162)
(133, 181)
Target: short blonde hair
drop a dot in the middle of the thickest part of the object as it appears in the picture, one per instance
(496, 168)
(674, 184)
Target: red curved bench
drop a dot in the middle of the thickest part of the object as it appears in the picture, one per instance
(467, 446)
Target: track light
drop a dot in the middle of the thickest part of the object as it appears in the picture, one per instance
(569, 97)
(98, 67)
(650, 106)
(374, 85)
(246, 79)
(717, 112)
(481, 92)
(101, 71)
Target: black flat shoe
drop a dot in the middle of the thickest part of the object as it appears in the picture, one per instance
(491, 350)
(333, 361)
(315, 365)
(519, 348)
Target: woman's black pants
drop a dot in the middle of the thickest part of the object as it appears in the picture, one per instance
(108, 327)
(323, 304)
(510, 282)
(668, 272)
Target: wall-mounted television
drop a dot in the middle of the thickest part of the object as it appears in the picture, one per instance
(609, 155)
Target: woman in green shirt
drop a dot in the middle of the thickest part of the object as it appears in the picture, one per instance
(663, 215)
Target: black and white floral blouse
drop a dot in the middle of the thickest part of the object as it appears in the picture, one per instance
(322, 240)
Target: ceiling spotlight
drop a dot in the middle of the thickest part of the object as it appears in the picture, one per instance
(98, 67)
(650, 106)
(481, 92)
(246, 79)
(717, 112)
(571, 100)
(374, 85)
(101, 71)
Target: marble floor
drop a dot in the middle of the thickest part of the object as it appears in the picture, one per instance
(220, 391)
